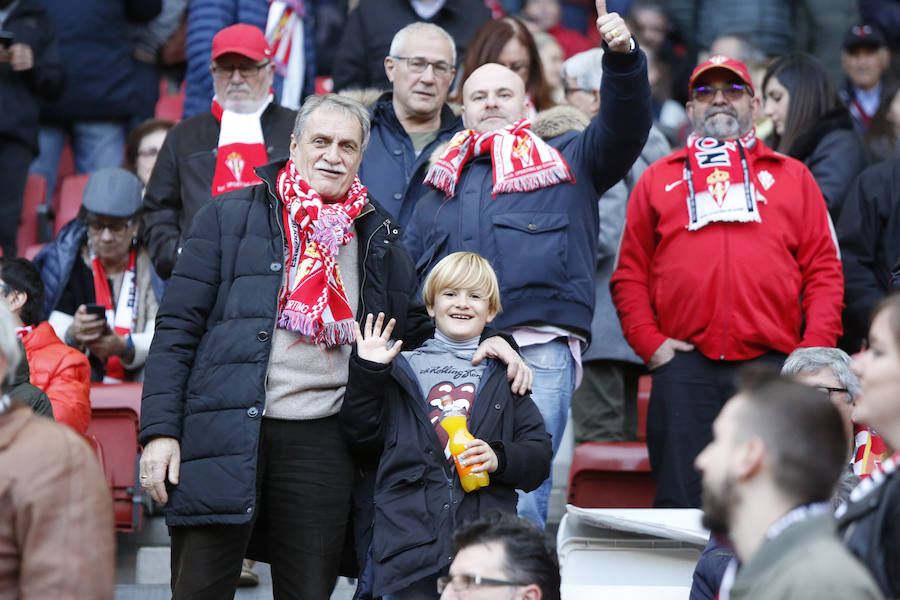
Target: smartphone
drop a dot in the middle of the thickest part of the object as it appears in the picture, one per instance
(6, 39)
(96, 309)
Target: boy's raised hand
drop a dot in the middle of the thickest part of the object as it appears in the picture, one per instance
(372, 342)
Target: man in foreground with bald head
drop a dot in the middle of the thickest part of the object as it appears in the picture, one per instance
(529, 205)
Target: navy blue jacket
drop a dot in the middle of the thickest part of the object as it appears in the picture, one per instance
(95, 46)
(418, 499)
(20, 90)
(390, 168)
(204, 382)
(543, 244)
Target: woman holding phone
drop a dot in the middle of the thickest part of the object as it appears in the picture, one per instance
(102, 293)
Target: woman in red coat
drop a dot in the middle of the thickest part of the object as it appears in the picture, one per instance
(60, 370)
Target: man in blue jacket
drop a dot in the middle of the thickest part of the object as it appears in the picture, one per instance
(530, 207)
(409, 122)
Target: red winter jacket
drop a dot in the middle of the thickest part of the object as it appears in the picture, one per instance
(734, 290)
(63, 373)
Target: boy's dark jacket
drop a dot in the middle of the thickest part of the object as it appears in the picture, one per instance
(418, 499)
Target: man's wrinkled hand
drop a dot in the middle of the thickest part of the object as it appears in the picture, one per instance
(161, 459)
(517, 371)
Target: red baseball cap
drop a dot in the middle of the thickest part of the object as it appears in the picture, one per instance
(722, 62)
(245, 40)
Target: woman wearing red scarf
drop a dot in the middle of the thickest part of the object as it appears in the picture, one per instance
(97, 259)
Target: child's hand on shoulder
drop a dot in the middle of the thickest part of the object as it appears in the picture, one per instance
(372, 342)
(479, 451)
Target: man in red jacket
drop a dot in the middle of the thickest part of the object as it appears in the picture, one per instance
(727, 256)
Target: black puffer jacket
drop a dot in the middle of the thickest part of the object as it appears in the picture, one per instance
(181, 182)
(834, 154)
(868, 236)
(205, 376)
(418, 499)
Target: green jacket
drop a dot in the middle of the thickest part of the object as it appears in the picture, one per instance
(23, 390)
(807, 561)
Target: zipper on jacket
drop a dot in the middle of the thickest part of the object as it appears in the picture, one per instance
(362, 284)
(727, 293)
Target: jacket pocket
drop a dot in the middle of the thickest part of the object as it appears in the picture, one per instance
(531, 249)
(402, 519)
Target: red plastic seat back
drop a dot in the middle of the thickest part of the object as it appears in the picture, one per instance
(611, 475)
(115, 423)
(35, 195)
(71, 190)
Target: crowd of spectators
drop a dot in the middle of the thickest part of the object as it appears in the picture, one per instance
(588, 241)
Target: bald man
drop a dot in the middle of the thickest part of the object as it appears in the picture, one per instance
(529, 205)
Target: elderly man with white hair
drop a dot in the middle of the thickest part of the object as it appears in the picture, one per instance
(828, 370)
(54, 500)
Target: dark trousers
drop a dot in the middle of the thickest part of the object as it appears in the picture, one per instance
(304, 484)
(687, 394)
(604, 407)
(14, 161)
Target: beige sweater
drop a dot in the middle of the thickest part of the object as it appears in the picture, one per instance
(306, 381)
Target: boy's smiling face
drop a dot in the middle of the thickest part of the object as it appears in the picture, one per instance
(461, 314)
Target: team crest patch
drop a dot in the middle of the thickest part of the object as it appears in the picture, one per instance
(235, 164)
(765, 179)
(718, 183)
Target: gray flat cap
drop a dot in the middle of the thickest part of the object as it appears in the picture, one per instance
(112, 193)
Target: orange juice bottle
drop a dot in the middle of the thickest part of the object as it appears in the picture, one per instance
(454, 422)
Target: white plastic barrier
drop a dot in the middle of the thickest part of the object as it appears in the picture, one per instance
(628, 554)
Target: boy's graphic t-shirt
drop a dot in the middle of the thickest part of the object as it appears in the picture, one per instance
(444, 369)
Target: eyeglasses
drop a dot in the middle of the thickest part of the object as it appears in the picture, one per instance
(116, 227)
(732, 92)
(833, 390)
(246, 71)
(419, 64)
(568, 91)
(464, 581)
(148, 152)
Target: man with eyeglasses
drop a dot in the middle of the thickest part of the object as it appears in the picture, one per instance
(410, 121)
(727, 257)
(217, 151)
(504, 557)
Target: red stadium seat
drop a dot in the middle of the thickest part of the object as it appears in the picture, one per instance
(32, 251)
(70, 194)
(615, 474)
(66, 168)
(115, 423)
(611, 475)
(35, 195)
(170, 106)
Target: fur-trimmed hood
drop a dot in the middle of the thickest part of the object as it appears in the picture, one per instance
(547, 124)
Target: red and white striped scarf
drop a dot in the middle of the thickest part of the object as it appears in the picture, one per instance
(522, 161)
(241, 148)
(314, 302)
(123, 317)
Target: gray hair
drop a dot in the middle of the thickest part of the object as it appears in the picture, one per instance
(343, 104)
(586, 68)
(812, 360)
(420, 28)
(9, 344)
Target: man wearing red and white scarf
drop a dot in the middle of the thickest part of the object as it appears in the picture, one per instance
(529, 205)
(251, 357)
(215, 152)
(727, 256)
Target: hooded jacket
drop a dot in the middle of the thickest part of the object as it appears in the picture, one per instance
(63, 373)
(418, 498)
(543, 243)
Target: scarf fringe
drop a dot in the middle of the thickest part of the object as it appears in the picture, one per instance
(333, 333)
(442, 178)
(535, 181)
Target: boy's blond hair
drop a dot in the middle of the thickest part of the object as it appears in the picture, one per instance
(465, 270)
